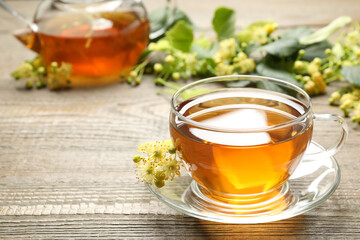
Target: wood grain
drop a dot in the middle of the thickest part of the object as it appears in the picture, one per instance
(65, 168)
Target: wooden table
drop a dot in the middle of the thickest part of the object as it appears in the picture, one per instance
(65, 157)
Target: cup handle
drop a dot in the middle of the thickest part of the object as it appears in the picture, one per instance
(330, 151)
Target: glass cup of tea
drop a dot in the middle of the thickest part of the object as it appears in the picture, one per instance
(241, 138)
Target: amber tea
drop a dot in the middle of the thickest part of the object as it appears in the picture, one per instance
(240, 159)
(100, 46)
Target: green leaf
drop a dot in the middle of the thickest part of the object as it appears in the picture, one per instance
(325, 32)
(224, 23)
(284, 64)
(206, 67)
(289, 42)
(268, 71)
(316, 50)
(200, 51)
(181, 36)
(203, 48)
(249, 33)
(297, 33)
(283, 47)
(164, 18)
(252, 47)
(203, 42)
(352, 74)
(159, 17)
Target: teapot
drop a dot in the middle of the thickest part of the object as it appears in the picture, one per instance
(100, 39)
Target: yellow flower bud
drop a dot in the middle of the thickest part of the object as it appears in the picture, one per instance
(270, 28)
(356, 116)
(159, 183)
(336, 96)
(317, 77)
(136, 159)
(152, 46)
(309, 87)
(306, 79)
(317, 61)
(298, 65)
(137, 80)
(175, 75)
(328, 51)
(346, 97)
(172, 150)
(158, 67)
(346, 104)
(169, 59)
(302, 52)
(133, 74)
(244, 45)
(328, 72)
(313, 68)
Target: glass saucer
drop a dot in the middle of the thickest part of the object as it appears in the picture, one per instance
(311, 184)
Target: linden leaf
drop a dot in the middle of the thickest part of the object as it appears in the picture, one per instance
(224, 22)
(325, 32)
(316, 50)
(164, 18)
(352, 74)
(181, 36)
(289, 42)
(268, 71)
(283, 47)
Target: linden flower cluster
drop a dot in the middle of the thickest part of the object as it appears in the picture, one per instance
(58, 75)
(311, 74)
(259, 32)
(348, 100)
(319, 72)
(349, 50)
(177, 64)
(159, 165)
(230, 59)
(38, 74)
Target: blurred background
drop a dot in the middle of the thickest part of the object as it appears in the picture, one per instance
(303, 12)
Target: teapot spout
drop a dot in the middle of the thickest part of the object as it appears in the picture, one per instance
(29, 38)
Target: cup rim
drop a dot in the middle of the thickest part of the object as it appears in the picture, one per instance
(239, 77)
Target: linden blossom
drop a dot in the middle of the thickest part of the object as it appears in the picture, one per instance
(159, 165)
(41, 75)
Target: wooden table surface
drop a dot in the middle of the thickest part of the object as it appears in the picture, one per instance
(65, 157)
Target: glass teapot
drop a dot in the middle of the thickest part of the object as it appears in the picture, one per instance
(100, 39)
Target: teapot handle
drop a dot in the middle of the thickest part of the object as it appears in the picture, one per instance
(158, 30)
